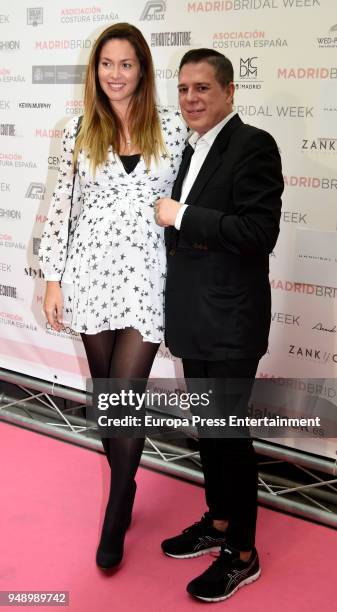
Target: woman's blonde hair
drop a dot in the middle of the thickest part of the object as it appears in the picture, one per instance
(101, 126)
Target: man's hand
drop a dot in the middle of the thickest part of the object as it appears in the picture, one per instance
(166, 211)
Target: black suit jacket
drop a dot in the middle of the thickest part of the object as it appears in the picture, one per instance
(217, 301)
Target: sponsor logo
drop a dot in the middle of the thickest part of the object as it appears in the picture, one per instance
(37, 105)
(10, 213)
(43, 133)
(329, 40)
(292, 112)
(58, 75)
(7, 76)
(4, 19)
(15, 320)
(164, 353)
(307, 73)
(73, 43)
(34, 16)
(171, 39)
(253, 111)
(53, 162)
(327, 145)
(65, 332)
(6, 240)
(310, 182)
(248, 73)
(319, 258)
(74, 107)
(7, 129)
(311, 354)
(5, 105)
(325, 328)
(295, 112)
(301, 385)
(285, 318)
(154, 11)
(86, 15)
(166, 73)
(248, 68)
(9, 45)
(332, 110)
(317, 290)
(248, 5)
(248, 39)
(33, 273)
(4, 187)
(36, 245)
(301, 3)
(289, 216)
(5, 267)
(230, 5)
(15, 160)
(40, 218)
(36, 191)
(8, 291)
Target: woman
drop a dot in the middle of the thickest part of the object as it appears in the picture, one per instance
(106, 248)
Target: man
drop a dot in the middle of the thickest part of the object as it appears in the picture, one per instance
(222, 222)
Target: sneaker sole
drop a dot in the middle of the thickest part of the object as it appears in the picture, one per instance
(198, 553)
(223, 597)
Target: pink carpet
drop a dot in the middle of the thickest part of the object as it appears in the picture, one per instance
(51, 512)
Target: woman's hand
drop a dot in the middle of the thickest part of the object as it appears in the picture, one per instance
(53, 304)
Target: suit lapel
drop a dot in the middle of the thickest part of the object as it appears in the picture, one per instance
(213, 159)
(211, 163)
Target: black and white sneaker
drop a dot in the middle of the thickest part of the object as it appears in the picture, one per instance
(198, 539)
(225, 576)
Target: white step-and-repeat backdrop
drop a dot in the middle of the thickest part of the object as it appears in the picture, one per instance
(284, 54)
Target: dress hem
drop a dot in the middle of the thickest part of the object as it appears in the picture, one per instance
(91, 333)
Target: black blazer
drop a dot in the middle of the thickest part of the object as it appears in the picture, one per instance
(217, 300)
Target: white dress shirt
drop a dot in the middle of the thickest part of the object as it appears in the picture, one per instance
(201, 146)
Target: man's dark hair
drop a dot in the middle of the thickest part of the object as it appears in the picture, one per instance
(223, 67)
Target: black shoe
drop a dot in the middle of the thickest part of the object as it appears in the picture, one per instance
(107, 560)
(198, 539)
(110, 552)
(225, 576)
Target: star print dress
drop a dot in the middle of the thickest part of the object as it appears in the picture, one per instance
(101, 240)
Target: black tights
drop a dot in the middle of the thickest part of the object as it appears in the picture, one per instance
(120, 353)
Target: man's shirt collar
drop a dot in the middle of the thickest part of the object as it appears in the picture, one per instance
(211, 135)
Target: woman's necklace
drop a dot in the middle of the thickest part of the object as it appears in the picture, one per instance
(127, 139)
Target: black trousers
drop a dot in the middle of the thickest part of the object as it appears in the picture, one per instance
(229, 464)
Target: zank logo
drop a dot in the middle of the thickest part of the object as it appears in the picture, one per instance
(35, 191)
(248, 68)
(311, 354)
(320, 144)
(154, 11)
